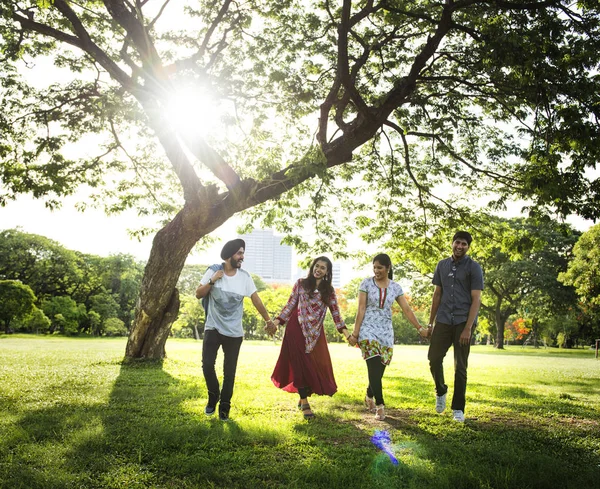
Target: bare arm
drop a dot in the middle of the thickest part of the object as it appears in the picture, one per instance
(360, 315)
(465, 336)
(203, 290)
(410, 315)
(435, 303)
(260, 307)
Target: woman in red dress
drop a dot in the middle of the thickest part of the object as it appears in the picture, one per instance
(304, 364)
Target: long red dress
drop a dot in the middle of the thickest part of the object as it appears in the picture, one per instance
(296, 369)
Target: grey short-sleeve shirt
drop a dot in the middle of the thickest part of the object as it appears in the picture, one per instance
(457, 280)
(226, 302)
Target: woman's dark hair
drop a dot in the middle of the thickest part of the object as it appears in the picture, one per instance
(386, 261)
(325, 287)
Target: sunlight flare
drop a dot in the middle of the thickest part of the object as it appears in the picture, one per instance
(193, 111)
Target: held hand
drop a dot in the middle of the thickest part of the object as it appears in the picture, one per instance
(270, 328)
(424, 332)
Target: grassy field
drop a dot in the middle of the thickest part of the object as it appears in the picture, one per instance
(73, 416)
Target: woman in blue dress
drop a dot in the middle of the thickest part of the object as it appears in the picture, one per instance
(373, 331)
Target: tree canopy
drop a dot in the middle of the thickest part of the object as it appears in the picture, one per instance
(377, 108)
(522, 259)
(583, 275)
(16, 301)
(85, 290)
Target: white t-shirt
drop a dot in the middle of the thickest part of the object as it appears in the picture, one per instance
(226, 302)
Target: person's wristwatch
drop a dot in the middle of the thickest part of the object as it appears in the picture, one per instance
(210, 281)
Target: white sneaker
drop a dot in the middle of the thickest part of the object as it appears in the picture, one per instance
(458, 416)
(440, 403)
(380, 412)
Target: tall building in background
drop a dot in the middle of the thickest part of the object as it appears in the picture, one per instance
(266, 257)
(337, 275)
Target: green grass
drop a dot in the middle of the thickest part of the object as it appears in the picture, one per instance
(73, 416)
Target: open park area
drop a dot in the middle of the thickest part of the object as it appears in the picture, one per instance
(73, 415)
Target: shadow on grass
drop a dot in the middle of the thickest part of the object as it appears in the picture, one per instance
(528, 402)
(152, 433)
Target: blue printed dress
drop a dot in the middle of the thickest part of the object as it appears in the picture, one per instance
(376, 335)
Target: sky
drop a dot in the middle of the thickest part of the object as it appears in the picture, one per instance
(93, 232)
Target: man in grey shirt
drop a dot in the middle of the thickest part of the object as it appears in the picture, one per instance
(458, 284)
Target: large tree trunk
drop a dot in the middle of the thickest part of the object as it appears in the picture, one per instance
(500, 318)
(158, 303)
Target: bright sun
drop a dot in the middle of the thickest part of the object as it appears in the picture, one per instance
(193, 111)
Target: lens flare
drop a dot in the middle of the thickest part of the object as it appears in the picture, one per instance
(382, 440)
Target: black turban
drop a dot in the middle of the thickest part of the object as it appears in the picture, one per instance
(231, 248)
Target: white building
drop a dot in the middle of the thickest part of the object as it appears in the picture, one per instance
(266, 257)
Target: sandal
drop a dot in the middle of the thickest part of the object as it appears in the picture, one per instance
(306, 411)
(370, 404)
(380, 412)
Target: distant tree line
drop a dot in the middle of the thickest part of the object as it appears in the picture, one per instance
(46, 288)
(542, 288)
(542, 285)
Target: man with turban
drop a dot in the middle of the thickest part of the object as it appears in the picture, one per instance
(225, 285)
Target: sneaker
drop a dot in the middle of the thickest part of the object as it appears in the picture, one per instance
(440, 403)
(223, 416)
(380, 412)
(370, 404)
(458, 416)
(209, 410)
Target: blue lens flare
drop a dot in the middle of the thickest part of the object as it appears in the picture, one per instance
(382, 440)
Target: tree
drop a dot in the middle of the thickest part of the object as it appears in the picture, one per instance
(45, 265)
(52, 270)
(190, 279)
(16, 301)
(521, 260)
(403, 96)
(114, 327)
(191, 318)
(64, 314)
(583, 274)
(121, 275)
(94, 323)
(36, 322)
(105, 305)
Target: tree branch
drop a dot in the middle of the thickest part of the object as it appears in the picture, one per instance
(85, 45)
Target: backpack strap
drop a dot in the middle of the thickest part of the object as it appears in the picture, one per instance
(204, 301)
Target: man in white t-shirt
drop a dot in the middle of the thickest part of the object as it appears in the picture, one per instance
(226, 285)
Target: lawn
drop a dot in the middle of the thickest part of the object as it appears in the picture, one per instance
(73, 416)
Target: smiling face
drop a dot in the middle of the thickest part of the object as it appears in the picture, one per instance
(320, 269)
(380, 271)
(237, 259)
(459, 248)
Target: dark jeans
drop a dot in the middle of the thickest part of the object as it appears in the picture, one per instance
(442, 337)
(375, 370)
(231, 349)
